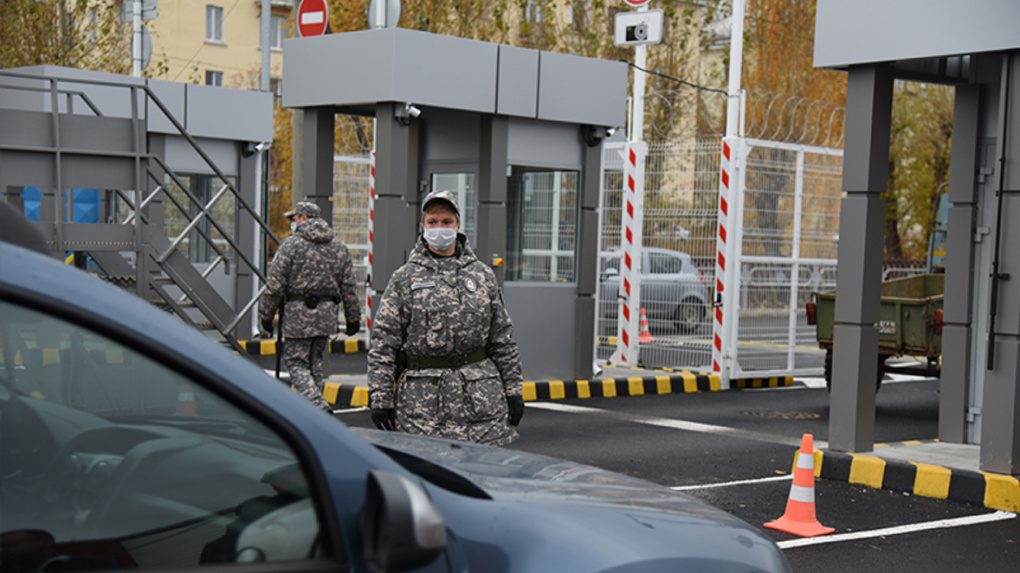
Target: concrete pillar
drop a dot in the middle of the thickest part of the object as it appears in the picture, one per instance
(1000, 440)
(587, 258)
(317, 159)
(490, 230)
(858, 293)
(955, 381)
(249, 187)
(396, 189)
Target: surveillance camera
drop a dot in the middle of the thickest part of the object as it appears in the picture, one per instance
(638, 33)
(405, 113)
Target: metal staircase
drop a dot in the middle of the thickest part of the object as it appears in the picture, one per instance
(135, 252)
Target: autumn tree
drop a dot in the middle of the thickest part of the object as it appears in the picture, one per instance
(84, 34)
(920, 141)
(778, 72)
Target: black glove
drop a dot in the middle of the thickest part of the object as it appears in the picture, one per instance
(353, 328)
(516, 406)
(384, 418)
(267, 326)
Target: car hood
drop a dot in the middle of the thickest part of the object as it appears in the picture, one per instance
(506, 474)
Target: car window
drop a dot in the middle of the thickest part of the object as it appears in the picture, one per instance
(663, 264)
(112, 460)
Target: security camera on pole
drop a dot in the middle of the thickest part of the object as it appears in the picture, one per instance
(638, 29)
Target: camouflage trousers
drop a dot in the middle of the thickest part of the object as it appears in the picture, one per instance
(302, 357)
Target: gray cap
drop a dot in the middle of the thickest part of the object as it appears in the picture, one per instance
(441, 195)
(304, 208)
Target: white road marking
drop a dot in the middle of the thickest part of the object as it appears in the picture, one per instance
(670, 423)
(899, 529)
(350, 410)
(731, 483)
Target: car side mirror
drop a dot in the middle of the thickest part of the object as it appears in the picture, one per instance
(400, 528)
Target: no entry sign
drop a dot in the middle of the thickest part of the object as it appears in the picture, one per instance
(312, 18)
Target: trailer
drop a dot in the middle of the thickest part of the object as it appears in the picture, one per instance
(910, 323)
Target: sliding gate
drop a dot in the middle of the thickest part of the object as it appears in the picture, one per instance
(783, 228)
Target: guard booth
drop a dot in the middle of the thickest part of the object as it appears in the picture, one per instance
(516, 133)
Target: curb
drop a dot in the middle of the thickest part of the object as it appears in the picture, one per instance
(994, 491)
(668, 382)
(268, 347)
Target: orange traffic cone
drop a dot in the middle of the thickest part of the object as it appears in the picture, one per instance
(645, 335)
(185, 400)
(799, 518)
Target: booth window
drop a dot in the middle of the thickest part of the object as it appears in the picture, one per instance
(462, 185)
(542, 225)
(223, 210)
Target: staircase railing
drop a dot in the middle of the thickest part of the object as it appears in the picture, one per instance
(165, 254)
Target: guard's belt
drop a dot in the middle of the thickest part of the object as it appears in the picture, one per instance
(421, 362)
(301, 298)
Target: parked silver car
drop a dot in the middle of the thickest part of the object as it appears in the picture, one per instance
(674, 294)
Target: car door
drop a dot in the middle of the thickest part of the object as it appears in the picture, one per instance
(659, 287)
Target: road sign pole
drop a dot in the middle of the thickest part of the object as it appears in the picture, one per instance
(628, 317)
(136, 38)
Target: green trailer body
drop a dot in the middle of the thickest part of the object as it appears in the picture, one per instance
(906, 324)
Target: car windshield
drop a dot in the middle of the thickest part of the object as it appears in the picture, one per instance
(113, 460)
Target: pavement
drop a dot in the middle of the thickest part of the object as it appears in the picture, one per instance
(927, 468)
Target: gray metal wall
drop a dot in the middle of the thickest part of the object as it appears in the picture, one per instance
(973, 45)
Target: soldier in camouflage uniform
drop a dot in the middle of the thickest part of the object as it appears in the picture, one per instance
(310, 276)
(442, 318)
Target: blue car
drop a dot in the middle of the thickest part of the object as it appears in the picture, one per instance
(132, 441)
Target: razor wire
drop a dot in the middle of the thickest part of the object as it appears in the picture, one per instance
(772, 116)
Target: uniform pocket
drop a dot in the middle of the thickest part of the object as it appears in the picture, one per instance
(484, 399)
(418, 399)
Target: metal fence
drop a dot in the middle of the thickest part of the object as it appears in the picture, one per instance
(787, 232)
(789, 225)
(788, 235)
(681, 195)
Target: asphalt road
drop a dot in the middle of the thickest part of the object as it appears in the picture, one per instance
(735, 450)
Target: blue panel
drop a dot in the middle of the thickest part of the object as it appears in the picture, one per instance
(86, 205)
(33, 203)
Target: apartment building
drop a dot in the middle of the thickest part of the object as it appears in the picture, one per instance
(217, 42)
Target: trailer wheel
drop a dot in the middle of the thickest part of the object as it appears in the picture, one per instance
(828, 370)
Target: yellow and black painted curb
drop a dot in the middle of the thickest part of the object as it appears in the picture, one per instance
(268, 347)
(994, 491)
(662, 382)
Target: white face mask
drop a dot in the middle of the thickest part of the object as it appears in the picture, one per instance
(293, 226)
(440, 238)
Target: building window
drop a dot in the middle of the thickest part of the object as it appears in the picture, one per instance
(276, 32)
(204, 241)
(542, 225)
(213, 78)
(533, 12)
(214, 24)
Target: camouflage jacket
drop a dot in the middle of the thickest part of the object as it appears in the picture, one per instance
(312, 259)
(443, 307)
